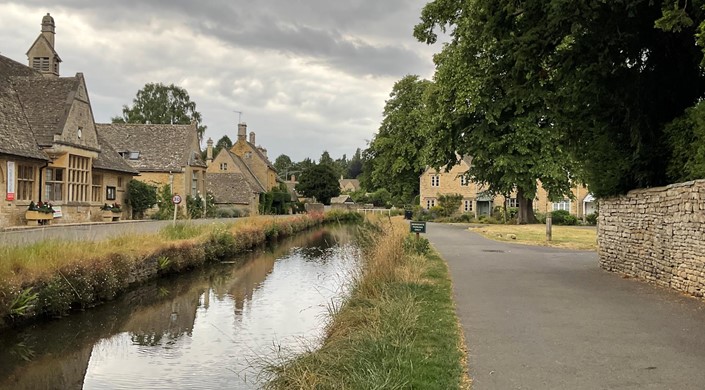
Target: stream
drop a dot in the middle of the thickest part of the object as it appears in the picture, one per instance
(215, 327)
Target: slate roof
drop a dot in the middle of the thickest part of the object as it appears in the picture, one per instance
(16, 134)
(341, 199)
(162, 148)
(46, 102)
(249, 175)
(261, 155)
(229, 188)
(109, 159)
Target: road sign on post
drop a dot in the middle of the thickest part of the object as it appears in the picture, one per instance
(417, 227)
(176, 199)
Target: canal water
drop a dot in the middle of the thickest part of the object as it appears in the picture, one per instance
(212, 328)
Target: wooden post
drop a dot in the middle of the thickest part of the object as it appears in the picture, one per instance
(417, 236)
(549, 226)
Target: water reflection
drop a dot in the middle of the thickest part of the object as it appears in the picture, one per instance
(207, 329)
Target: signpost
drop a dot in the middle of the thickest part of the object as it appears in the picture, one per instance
(176, 199)
(417, 227)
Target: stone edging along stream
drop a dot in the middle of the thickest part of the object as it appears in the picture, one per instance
(87, 284)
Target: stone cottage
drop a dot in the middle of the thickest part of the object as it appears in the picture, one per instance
(162, 154)
(50, 150)
(434, 183)
(237, 176)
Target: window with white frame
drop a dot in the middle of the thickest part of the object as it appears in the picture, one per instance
(79, 178)
(223, 166)
(54, 184)
(562, 205)
(430, 203)
(435, 181)
(512, 203)
(467, 205)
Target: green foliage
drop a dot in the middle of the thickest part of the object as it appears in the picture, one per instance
(277, 201)
(164, 201)
(181, 231)
(284, 166)
(223, 143)
(343, 216)
(529, 89)
(320, 182)
(563, 217)
(414, 246)
(449, 204)
(591, 219)
(194, 206)
(395, 158)
(380, 198)
(686, 138)
(23, 303)
(140, 196)
(229, 212)
(162, 104)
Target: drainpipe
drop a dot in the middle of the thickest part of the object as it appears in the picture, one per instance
(41, 175)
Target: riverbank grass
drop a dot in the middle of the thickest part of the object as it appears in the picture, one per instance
(398, 328)
(568, 237)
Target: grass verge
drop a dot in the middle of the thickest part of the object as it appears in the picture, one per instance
(53, 277)
(398, 328)
(568, 237)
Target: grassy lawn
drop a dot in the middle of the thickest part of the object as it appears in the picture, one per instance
(397, 330)
(569, 237)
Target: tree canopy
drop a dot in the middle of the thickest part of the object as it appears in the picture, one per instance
(395, 152)
(320, 182)
(162, 104)
(549, 90)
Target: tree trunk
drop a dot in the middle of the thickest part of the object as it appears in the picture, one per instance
(526, 209)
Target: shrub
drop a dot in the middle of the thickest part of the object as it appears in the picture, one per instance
(448, 204)
(563, 217)
(141, 196)
(591, 219)
(419, 246)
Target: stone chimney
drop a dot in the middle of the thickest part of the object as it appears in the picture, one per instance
(252, 137)
(263, 150)
(209, 152)
(242, 132)
(49, 29)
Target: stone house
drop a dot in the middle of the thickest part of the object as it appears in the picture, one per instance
(232, 182)
(162, 154)
(349, 185)
(50, 150)
(237, 176)
(255, 157)
(434, 183)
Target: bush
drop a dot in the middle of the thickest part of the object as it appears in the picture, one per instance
(419, 246)
(563, 217)
(448, 204)
(591, 219)
(141, 196)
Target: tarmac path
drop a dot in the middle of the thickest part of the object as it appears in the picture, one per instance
(544, 318)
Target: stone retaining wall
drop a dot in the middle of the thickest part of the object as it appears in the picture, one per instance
(656, 234)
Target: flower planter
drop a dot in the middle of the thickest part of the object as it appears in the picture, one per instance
(109, 216)
(35, 218)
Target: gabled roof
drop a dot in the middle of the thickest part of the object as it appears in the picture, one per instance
(46, 102)
(161, 148)
(341, 199)
(109, 160)
(15, 132)
(354, 182)
(43, 38)
(261, 155)
(249, 175)
(229, 188)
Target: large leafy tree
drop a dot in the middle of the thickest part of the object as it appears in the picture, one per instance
(284, 166)
(597, 79)
(320, 182)
(162, 104)
(355, 165)
(395, 153)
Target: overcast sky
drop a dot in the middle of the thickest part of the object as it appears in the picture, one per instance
(308, 75)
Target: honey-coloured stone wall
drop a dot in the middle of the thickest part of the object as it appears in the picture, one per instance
(656, 234)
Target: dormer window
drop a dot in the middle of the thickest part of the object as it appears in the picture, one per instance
(134, 155)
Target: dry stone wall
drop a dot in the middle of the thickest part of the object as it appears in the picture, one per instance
(656, 234)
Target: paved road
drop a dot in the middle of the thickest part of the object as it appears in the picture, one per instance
(542, 318)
